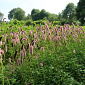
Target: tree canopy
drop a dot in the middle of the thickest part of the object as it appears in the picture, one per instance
(16, 13)
(69, 12)
(35, 13)
(80, 11)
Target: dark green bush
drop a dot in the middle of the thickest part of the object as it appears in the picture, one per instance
(29, 22)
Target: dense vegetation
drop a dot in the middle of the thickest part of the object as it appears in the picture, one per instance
(42, 54)
(43, 48)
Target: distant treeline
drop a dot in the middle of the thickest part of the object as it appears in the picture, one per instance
(69, 14)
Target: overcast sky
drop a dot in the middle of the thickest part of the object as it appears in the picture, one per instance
(52, 6)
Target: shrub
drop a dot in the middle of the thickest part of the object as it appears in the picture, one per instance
(39, 22)
(29, 22)
(56, 22)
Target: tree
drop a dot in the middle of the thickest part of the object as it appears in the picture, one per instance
(35, 13)
(80, 11)
(1, 16)
(42, 13)
(69, 12)
(53, 17)
(16, 13)
(28, 17)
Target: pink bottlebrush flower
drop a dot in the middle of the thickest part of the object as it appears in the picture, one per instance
(49, 37)
(80, 40)
(61, 27)
(31, 49)
(41, 27)
(1, 52)
(37, 29)
(79, 30)
(28, 45)
(64, 34)
(17, 40)
(76, 28)
(30, 32)
(54, 38)
(24, 39)
(55, 29)
(20, 33)
(34, 36)
(5, 38)
(55, 44)
(73, 35)
(11, 34)
(18, 62)
(46, 26)
(6, 48)
(74, 40)
(42, 49)
(42, 31)
(33, 31)
(76, 35)
(58, 37)
(0, 43)
(74, 51)
(65, 37)
(41, 64)
(82, 28)
(15, 35)
(49, 33)
(14, 41)
(44, 37)
(21, 56)
(25, 32)
(47, 21)
(36, 57)
(9, 60)
(24, 52)
(18, 29)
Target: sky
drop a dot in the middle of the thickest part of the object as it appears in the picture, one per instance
(52, 6)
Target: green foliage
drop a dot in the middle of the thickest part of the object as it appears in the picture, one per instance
(38, 15)
(52, 17)
(39, 22)
(56, 22)
(28, 17)
(35, 13)
(42, 13)
(80, 11)
(60, 62)
(69, 12)
(29, 22)
(16, 13)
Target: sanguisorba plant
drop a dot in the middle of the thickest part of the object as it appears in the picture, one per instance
(42, 55)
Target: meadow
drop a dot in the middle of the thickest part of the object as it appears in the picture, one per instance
(42, 54)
